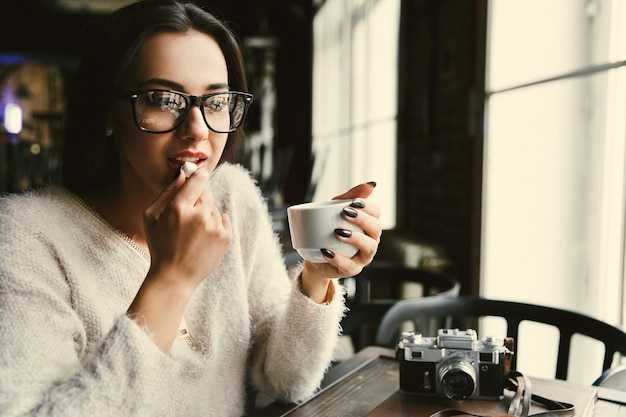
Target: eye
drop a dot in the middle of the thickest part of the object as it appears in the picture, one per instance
(165, 100)
(216, 104)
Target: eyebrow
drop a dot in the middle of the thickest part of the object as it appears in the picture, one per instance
(177, 86)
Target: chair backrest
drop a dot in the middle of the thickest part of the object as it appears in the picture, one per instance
(614, 378)
(462, 311)
(378, 287)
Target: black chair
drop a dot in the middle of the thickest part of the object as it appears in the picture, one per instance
(463, 312)
(378, 287)
(614, 378)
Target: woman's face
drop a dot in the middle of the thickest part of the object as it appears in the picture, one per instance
(191, 63)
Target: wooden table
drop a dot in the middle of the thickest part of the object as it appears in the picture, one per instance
(366, 385)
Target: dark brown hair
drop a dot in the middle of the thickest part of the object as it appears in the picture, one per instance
(90, 159)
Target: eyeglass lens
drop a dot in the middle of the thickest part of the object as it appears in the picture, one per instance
(161, 111)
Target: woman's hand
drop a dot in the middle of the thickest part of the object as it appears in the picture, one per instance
(186, 233)
(187, 237)
(364, 214)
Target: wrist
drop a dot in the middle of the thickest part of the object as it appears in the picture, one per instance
(173, 283)
(320, 290)
(158, 307)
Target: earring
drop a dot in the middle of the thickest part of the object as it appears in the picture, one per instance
(108, 133)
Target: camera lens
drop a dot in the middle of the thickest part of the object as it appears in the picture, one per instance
(458, 379)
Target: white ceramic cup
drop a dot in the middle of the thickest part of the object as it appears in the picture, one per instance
(312, 227)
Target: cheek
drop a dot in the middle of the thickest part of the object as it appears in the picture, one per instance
(140, 152)
(220, 142)
(218, 145)
(142, 161)
(130, 139)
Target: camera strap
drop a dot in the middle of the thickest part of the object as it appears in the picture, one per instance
(520, 403)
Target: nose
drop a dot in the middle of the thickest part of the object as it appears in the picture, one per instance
(194, 127)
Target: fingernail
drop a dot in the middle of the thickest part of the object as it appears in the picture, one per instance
(372, 183)
(177, 172)
(357, 204)
(327, 253)
(343, 232)
(350, 212)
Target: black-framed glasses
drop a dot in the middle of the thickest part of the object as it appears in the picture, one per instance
(161, 111)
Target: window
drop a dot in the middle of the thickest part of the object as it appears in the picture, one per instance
(554, 184)
(354, 99)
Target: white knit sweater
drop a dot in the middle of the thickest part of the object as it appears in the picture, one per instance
(68, 349)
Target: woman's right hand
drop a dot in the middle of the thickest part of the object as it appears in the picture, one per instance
(187, 237)
(186, 233)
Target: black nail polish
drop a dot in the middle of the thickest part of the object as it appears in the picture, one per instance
(358, 204)
(327, 253)
(350, 212)
(343, 232)
(177, 172)
(372, 183)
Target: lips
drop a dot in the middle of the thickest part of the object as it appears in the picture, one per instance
(177, 160)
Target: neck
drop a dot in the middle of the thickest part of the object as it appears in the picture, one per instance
(123, 209)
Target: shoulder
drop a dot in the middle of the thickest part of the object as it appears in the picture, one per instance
(45, 206)
(234, 185)
(238, 194)
(30, 201)
(230, 177)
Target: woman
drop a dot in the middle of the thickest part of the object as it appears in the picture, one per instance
(127, 292)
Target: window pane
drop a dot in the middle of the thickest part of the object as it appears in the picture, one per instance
(554, 166)
(359, 81)
(536, 39)
(328, 107)
(382, 67)
(537, 192)
(355, 67)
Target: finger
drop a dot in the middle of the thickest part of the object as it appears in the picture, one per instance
(362, 190)
(156, 208)
(220, 227)
(192, 189)
(368, 222)
(339, 266)
(205, 199)
(226, 222)
(367, 245)
(369, 206)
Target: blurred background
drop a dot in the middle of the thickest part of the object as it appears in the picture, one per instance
(494, 129)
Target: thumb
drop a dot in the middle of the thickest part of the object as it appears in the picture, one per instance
(156, 208)
(363, 190)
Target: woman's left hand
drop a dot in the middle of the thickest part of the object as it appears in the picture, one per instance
(316, 276)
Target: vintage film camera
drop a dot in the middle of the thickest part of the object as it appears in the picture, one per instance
(455, 364)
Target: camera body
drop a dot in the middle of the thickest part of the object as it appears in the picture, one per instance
(455, 364)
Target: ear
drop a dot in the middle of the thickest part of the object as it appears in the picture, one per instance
(108, 130)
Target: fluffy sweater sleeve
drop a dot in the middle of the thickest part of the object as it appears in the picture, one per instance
(292, 337)
(68, 349)
(50, 362)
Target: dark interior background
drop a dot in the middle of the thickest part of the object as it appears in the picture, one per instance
(441, 95)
